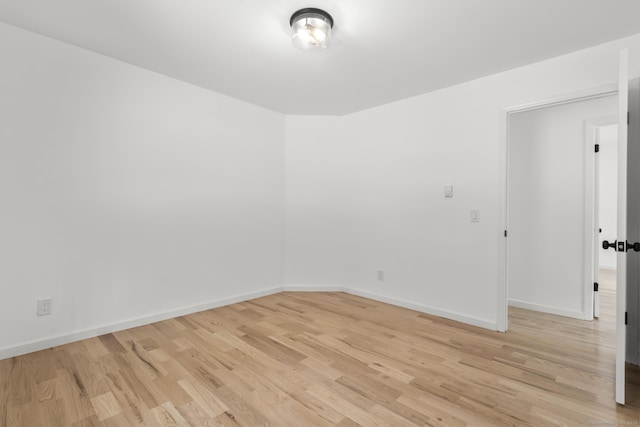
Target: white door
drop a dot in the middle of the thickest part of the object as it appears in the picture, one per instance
(621, 278)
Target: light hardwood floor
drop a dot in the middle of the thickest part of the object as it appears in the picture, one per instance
(324, 359)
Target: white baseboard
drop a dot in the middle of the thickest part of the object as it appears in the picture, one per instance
(482, 323)
(487, 324)
(313, 288)
(36, 345)
(41, 344)
(547, 309)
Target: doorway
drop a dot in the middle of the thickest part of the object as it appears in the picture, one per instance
(605, 134)
(550, 206)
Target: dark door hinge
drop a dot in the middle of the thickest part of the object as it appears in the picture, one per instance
(597, 148)
(505, 233)
(628, 118)
(626, 317)
(595, 287)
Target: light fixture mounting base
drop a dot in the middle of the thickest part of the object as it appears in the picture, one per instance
(312, 11)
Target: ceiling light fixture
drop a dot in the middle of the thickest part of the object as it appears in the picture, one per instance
(311, 28)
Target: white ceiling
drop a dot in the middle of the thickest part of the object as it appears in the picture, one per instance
(381, 50)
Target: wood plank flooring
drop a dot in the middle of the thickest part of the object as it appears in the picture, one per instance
(325, 359)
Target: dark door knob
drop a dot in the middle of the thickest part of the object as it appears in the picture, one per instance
(607, 245)
(635, 246)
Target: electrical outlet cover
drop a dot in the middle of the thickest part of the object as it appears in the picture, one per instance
(44, 307)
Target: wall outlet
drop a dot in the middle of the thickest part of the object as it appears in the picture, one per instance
(44, 306)
(380, 275)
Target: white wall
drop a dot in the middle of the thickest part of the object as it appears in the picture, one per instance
(547, 203)
(316, 202)
(608, 157)
(365, 191)
(126, 194)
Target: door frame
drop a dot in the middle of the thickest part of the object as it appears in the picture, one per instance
(592, 181)
(502, 322)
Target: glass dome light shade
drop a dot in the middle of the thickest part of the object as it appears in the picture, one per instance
(311, 28)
